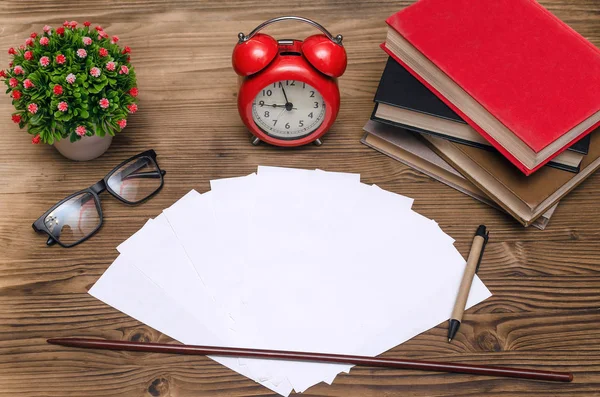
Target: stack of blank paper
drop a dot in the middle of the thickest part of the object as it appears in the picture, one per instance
(289, 259)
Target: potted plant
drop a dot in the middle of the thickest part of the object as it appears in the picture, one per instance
(72, 87)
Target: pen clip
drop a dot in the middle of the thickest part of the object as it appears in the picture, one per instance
(485, 236)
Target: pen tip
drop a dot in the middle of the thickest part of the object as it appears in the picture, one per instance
(449, 340)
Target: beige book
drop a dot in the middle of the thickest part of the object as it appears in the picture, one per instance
(455, 129)
(405, 147)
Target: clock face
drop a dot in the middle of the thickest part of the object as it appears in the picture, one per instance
(288, 109)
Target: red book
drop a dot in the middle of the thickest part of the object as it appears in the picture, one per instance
(522, 78)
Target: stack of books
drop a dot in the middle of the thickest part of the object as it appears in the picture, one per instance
(498, 99)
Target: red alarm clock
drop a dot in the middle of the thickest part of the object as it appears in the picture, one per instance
(289, 94)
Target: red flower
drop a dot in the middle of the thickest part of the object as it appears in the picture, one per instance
(44, 41)
(115, 39)
(86, 40)
(73, 24)
(103, 52)
(62, 106)
(13, 82)
(122, 123)
(19, 70)
(12, 51)
(102, 35)
(28, 55)
(21, 47)
(80, 130)
(132, 108)
(29, 42)
(133, 92)
(87, 24)
(33, 35)
(47, 28)
(57, 89)
(36, 139)
(66, 23)
(81, 53)
(126, 50)
(60, 31)
(28, 84)
(2, 73)
(60, 59)
(124, 70)
(44, 61)
(95, 72)
(16, 118)
(104, 103)
(98, 28)
(33, 108)
(128, 59)
(16, 94)
(110, 66)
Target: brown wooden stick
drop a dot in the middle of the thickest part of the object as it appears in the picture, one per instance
(317, 357)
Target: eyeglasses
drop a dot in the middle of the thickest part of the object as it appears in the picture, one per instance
(78, 216)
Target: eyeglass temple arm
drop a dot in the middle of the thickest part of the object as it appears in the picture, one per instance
(136, 166)
(148, 174)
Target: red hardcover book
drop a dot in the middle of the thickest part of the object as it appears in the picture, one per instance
(516, 73)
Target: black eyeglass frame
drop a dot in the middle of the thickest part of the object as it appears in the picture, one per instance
(102, 185)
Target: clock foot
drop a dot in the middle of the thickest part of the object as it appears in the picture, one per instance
(318, 142)
(255, 141)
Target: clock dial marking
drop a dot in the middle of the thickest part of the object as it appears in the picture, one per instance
(302, 109)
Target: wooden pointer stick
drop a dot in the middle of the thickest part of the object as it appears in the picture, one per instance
(316, 357)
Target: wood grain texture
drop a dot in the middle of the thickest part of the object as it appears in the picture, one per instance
(546, 284)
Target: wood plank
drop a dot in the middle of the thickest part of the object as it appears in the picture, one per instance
(544, 312)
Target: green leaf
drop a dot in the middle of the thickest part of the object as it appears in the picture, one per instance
(73, 137)
(36, 119)
(84, 114)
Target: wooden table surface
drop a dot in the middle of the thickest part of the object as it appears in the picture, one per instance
(545, 311)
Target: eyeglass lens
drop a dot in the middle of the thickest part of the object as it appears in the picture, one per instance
(74, 219)
(136, 180)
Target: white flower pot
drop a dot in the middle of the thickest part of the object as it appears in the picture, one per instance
(87, 148)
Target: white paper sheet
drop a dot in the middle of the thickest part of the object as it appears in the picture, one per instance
(290, 259)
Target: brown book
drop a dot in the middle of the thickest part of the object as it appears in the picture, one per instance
(405, 147)
(525, 197)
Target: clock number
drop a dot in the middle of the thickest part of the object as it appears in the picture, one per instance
(280, 85)
(301, 123)
(316, 105)
(266, 114)
(261, 103)
(312, 94)
(310, 115)
(293, 83)
(303, 85)
(287, 126)
(267, 93)
(274, 122)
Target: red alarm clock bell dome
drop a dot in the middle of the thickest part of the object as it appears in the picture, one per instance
(289, 94)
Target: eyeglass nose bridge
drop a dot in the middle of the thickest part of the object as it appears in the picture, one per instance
(98, 187)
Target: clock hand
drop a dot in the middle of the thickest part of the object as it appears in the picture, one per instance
(279, 115)
(278, 106)
(285, 96)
